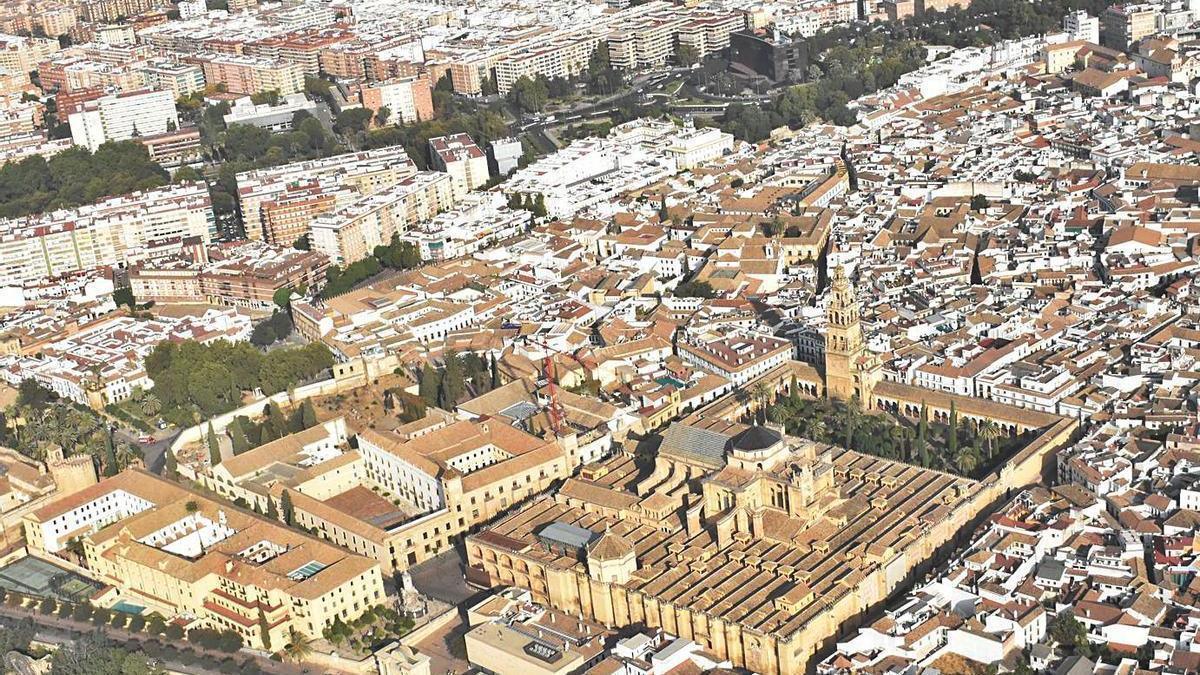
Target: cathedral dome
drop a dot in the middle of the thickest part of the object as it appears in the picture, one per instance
(610, 546)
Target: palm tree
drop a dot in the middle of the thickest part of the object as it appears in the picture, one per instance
(988, 433)
(299, 647)
(151, 406)
(816, 429)
(761, 394)
(127, 455)
(967, 461)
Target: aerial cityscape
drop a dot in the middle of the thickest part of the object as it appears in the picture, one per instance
(599, 337)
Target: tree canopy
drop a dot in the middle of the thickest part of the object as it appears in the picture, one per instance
(195, 380)
(76, 176)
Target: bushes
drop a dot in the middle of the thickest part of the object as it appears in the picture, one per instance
(100, 616)
(226, 641)
(82, 612)
(65, 610)
(269, 331)
(47, 606)
(137, 623)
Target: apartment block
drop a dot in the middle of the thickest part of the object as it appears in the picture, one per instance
(346, 176)
(239, 274)
(458, 156)
(181, 79)
(352, 233)
(23, 54)
(409, 98)
(111, 233)
(1123, 25)
(122, 116)
(250, 75)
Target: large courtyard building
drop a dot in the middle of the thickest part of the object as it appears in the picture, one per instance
(184, 554)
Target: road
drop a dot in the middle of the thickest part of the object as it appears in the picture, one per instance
(154, 452)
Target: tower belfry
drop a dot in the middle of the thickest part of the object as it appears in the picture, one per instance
(850, 368)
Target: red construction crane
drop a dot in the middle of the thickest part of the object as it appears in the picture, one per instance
(550, 373)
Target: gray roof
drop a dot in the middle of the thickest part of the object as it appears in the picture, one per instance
(688, 442)
(519, 411)
(567, 534)
(666, 653)
(1052, 569)
(1076, 665)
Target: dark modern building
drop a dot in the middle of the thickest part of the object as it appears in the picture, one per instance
(774, 55)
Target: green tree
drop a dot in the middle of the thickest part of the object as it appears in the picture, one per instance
(237, 436)
(171, 465)
(299, 647)
(214, 447)
(979, 203)
(285, 505)
(124, 296)
(430, 385)
(110, 456)
(308, 414)
(694, 289)
(264, 629)
(282, 297)
(967, 461)
(988, 433)
(923, 436)
(952, 432)
(686, 55)
(272, 510)
(530, 95)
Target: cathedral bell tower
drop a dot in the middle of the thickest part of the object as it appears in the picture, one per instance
(850, 368)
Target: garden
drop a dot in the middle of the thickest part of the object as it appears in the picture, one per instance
(957, 446)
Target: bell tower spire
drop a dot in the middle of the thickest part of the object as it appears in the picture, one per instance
(850, 368)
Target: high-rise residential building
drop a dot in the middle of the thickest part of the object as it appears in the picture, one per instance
(352, 233)
(190, 9)
(1123, 25)
(408, 99)
(110, 233)
(22, 54)
(57, 20)
(251, 75)
(1079, 25)
(123, 116)
(182, 79)
(343, 177)
(458, 156)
